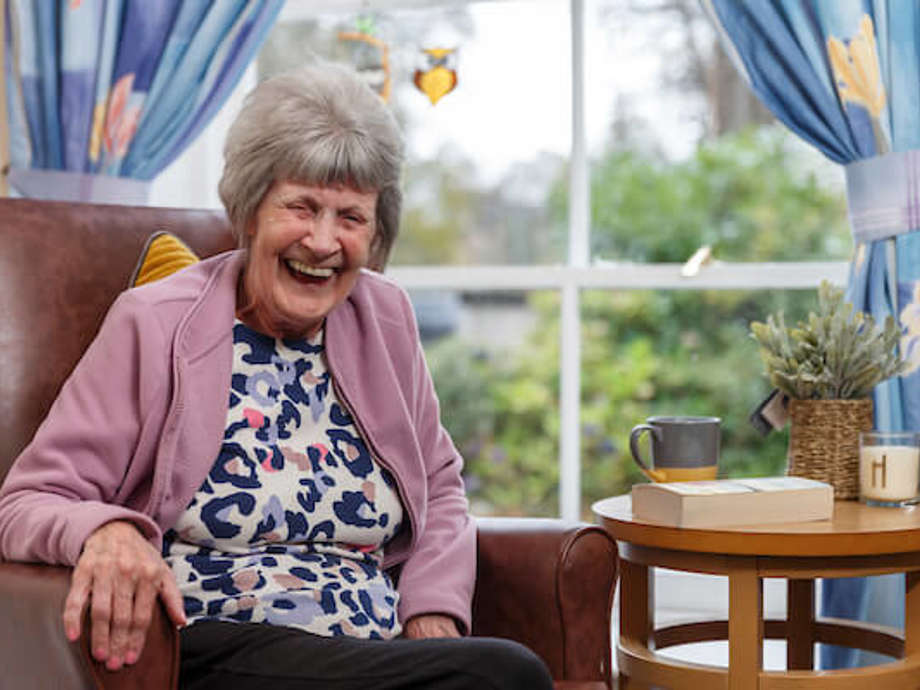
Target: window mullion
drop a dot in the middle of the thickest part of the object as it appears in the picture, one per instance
(579, 184)
(578, 255)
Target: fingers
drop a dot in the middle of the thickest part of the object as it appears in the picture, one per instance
(121, 614)
(172, 599)
(100, 615)
(144, 600)
(75, 603)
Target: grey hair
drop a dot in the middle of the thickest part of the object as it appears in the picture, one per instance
(319, 125)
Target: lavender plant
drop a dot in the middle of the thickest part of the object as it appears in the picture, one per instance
(836, 353)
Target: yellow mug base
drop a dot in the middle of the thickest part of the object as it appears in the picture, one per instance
(683, 474)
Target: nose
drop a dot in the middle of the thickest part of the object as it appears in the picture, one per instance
(321, 239)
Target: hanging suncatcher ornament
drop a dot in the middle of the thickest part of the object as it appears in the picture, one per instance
(370, 56)
(437, 77)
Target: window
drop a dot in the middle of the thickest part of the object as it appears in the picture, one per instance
(589, 150)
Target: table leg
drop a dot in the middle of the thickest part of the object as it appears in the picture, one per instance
(800, 617)
(745, 625)
(637, 605)
(912, 613)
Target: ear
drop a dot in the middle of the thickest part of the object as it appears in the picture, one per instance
(377, 254)
(249, 233)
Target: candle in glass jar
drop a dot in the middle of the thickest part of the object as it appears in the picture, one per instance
(889, 473)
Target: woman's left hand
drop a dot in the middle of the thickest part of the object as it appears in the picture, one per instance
(430, 625)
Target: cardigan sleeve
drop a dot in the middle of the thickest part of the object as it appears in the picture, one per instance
(439, 574)
(64, 484)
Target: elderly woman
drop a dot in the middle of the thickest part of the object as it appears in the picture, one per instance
(256, 439)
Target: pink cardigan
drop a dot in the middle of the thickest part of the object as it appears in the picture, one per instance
(136, 428)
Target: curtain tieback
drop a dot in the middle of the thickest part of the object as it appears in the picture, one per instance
(883, 194)
(63, 185)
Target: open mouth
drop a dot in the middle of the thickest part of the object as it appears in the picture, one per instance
(311, 275)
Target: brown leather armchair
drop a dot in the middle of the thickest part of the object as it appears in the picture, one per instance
(545, 583)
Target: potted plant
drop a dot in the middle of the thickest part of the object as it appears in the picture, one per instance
(827, 365)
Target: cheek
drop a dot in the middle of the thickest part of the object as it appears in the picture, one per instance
(359, 249)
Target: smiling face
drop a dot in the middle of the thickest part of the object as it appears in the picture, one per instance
(307, 246)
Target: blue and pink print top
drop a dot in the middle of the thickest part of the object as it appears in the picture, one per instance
(289, 526)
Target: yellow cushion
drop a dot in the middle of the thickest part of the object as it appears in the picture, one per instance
(163, 255)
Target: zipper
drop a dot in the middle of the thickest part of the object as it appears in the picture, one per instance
(398, 557)
(170, 428)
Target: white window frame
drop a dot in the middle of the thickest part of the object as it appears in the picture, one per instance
(580, 274)
(192, 180)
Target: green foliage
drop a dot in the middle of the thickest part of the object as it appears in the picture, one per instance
(748, 195)
(833, 354)
(433, 225)
(644, 352)
(449, 219)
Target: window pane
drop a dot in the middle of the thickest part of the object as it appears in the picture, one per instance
(483, 161)
(495, 363)
(683, 155)
(675, 353)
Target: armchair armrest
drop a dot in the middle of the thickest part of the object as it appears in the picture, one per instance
(36, 654)
(549, 584)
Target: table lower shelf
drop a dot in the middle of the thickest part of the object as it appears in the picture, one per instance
(641, 667)
(837, 631)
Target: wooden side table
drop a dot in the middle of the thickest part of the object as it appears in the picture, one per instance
(858, 541)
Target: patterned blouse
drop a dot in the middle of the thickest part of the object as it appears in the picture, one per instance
(289, 526)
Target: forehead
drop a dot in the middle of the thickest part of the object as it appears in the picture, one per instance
(328, 195)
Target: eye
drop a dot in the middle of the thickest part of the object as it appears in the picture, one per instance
(300, 208)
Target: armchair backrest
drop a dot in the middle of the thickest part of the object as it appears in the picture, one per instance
(61, 267)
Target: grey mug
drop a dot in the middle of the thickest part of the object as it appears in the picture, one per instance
(682, 448)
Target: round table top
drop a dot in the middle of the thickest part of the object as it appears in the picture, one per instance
(854, 530)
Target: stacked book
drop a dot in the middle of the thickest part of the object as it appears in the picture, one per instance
(725, 502)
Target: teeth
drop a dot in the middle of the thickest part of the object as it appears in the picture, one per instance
(309, 270)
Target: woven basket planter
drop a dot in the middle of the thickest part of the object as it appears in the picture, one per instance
(824, 441)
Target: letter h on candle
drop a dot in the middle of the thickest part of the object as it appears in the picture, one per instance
(876, 465)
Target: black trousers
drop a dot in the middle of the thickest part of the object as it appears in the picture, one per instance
(221, 655)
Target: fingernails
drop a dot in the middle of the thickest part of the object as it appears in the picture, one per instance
(72, 633)
(130, 657)
(100, 653)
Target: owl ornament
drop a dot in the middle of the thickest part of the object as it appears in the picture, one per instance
(437, 77)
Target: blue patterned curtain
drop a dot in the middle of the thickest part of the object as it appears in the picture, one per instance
(103, 89)
(845, 76)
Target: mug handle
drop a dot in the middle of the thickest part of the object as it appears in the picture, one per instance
(654, 475)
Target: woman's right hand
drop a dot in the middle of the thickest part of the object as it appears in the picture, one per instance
(119, 575)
